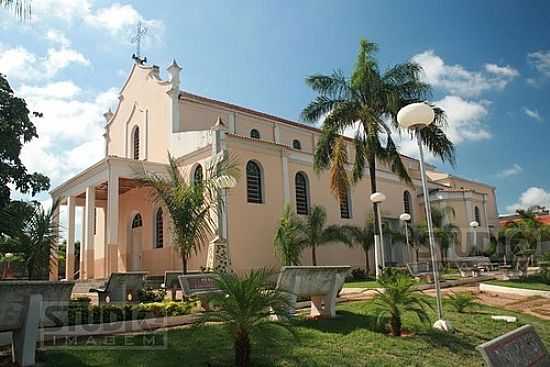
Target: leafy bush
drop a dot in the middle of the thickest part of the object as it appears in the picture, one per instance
(544, 264)
(81, 312)
(358, 274)
(151, 295)
(462, 301)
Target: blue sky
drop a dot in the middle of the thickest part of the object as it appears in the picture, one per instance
(488, 61)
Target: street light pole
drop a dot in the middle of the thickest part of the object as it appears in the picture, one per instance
(377, 198)
(405, 218)
(417, 116)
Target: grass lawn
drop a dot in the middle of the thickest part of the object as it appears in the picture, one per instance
(531, 282)
(350, 340)
(372, 283)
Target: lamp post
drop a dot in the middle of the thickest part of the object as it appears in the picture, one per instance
(474, 224)
(416, 116)
(378, 198)
(405, 218)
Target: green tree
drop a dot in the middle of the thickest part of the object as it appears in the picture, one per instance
(289, 239)
(316, 233)
(445, 232)
(16, 129)
(21, 8)
(245, 307)
(369, 102)
(524, 235)
(33, 236)
(398, 296)
(191, 205)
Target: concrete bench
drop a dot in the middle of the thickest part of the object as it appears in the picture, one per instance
(319, 283)
(27, 305)
(171, 282)
(467, 271)
(199, 285)
(519, 348)
(423, 271)
(121, 288)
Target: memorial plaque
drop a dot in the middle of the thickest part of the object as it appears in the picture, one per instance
(519, 348)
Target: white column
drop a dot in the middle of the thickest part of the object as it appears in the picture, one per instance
(111, 224)
(82, 258)
(69, 255)
(89, 218)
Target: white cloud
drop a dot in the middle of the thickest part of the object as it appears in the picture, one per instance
(516, 169)
(505, 71)
(541, 60)
(70, 127)
(61, 90)
(464, 119)
(58, 38)
(534, 114)
(20, 64)
(117, 19)
(459, 81)
(531, 197)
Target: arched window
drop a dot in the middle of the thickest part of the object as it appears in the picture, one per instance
(302, 194)
(477, 215)
(135, 142)
(254, 183)
(345, 205)
(159, 229)
(407, 202)
(254, 134)
(137, 221)
(197, 175)
(296, 144)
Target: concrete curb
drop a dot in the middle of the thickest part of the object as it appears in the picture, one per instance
(483, 287)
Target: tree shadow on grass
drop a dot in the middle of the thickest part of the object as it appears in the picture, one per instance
(345, 322)
(452, 341)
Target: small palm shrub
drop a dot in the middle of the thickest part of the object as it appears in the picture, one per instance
(244, 307)
(462, 301)
(399, 296)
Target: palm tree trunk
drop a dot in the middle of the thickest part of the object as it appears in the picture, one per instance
(373, 189)
(242, 349)
(184, 263)
(313, 255)
(367, 261)
(396, 324)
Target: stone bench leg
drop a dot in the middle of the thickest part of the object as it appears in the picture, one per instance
(316, 306)
(25, 339)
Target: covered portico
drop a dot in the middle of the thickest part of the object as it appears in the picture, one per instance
(99, 187)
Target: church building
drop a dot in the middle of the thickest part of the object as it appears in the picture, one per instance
(124, 229)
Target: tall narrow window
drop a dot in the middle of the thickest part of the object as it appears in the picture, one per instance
(197, 175)
(296, 144)
(137, 222)
(159, 229)
(254, 134)
(345, 207)
(302, 194)
(477, 215)
(135, 142)
(407, 202)
(254, 183)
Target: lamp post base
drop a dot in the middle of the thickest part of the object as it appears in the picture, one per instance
(443, 325)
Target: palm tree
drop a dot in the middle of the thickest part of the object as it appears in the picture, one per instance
(21, 8)
(399, 296)
(33, 236)
(445, 232)
(316, 234)
(369, 102)
(289, 239)
(191, 205)
(245, 307)
(364, 237)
